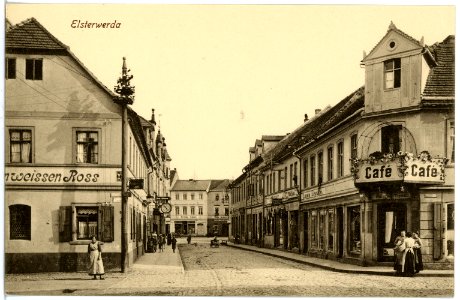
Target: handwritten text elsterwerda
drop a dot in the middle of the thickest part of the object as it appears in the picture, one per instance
(86, 24)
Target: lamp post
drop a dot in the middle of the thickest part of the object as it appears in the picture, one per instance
(125, 98)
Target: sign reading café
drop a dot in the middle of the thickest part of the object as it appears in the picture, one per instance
(34, 175)
(401, 167)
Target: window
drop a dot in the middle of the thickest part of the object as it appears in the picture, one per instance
(340, 159)
(92, 220)
(177, 210)
(392, 73)
(34, 69)
(177, 196)
(330, 162)
(184, 196)
(355, 229)
(216, 210)
(320, 168)
(330, 230)
(391, 139)
(200, 196)
(290, 175)
(200, 210)
(192, 210)
(312, 171)
(295, 174)
(217, 197)
(305, 172)
(87, 147)
(10, 68)
(279, 180)
(285, 177)
(226, 211)
(184, 210)
(20, 222)
(314, 228)
(192, 196)
(354, 146)
(20, 146)
(451, 141)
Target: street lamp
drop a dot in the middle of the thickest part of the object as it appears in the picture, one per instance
(125, 98)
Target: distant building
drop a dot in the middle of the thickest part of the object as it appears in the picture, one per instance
(218, 208)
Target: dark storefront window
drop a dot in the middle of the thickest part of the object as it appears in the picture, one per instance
(450, 216)
(314, 224)
(355, 229)
(330, 230)
(322, 229)
(20, 222)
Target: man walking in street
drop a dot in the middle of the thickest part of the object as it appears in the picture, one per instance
(173, 243)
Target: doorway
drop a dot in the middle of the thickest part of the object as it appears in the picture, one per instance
(391, 219)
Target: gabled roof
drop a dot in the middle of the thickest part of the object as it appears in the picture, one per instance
(219, 185)
(272, 138)
(392, 28)
(31, 36)
(441, 79)
(191, 185)
(136, 127)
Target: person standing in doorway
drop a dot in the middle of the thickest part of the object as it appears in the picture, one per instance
(399, 252)
(173, 243)
(96, 267)
(408, 261)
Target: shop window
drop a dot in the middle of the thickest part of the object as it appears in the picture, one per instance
(322, 229)
(340, 159)
(355, 229)
(87, 147)
(354, 146)
(314, 228)
(392, 73)
(10, 68)
(330, 163)
(20, 222)
(330, 230)
(450, 217)
(87, 222)
(34, 69)
(200, 210)
(312, 171)
(391, 139)
(20, 145)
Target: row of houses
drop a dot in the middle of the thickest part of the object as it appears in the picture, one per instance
(63, 161)
(201, 207)
(344, 183)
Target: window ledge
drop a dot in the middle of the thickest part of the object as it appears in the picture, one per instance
(82, 242)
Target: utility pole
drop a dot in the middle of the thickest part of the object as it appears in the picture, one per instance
(125, 98)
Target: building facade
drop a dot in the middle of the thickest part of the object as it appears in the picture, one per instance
(219, 198)
(343, 184)
(63, 160)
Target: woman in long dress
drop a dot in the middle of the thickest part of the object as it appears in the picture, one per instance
(96, 267)
(399, 251)
(418, 252)
(408, 259)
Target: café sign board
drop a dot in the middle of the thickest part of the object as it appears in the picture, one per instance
(422, 171)
(379, 172)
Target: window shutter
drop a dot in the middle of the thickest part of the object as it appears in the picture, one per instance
(437, 231)
(65, 223)
(106, 221)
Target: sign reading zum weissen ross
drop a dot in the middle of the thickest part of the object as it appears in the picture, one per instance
(60, 176)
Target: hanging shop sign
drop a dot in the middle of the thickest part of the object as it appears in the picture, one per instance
(403, 167)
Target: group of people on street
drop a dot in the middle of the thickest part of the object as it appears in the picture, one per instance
(408, 254)
(96, 266)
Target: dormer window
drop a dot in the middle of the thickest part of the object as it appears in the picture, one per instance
(392, 73)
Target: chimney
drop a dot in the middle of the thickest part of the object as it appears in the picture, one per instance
(152, 119)
(305, 119)
(317, 111)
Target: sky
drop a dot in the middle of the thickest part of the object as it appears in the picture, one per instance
(221, 76)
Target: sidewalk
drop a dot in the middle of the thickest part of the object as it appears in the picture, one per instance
(149, 270)
(335, 265)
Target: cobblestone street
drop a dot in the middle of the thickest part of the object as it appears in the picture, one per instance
(226, 271)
